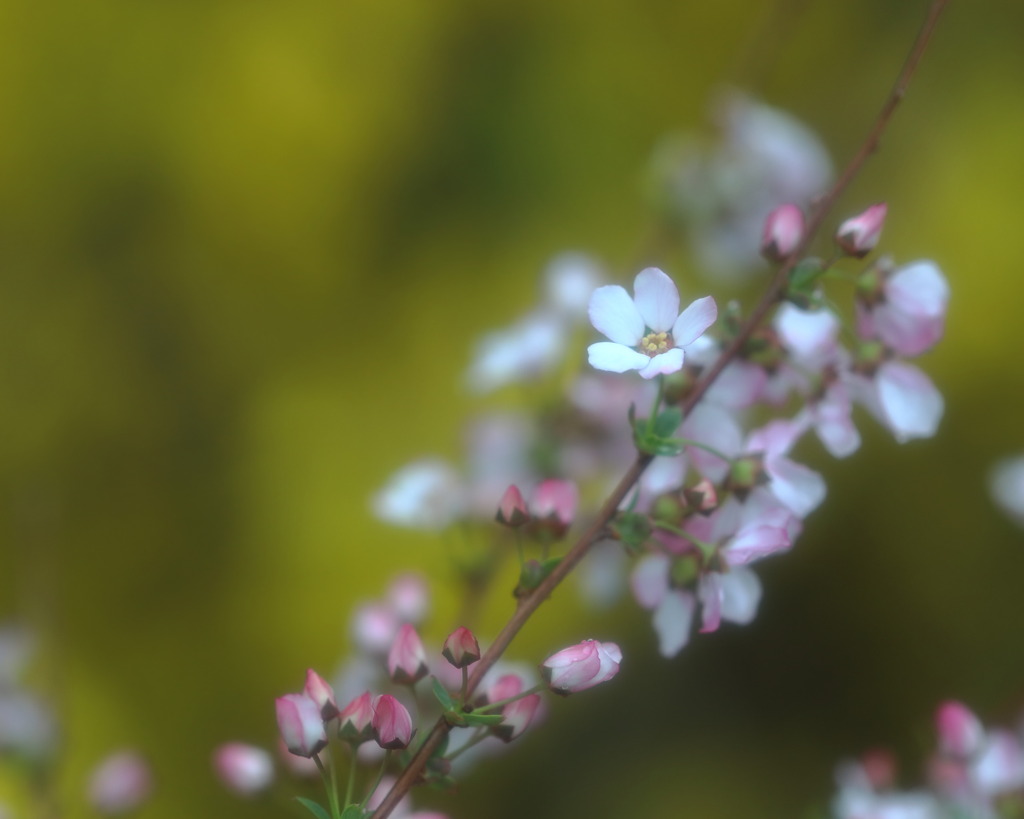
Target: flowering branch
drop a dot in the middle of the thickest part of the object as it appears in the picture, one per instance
(529, 601)
(822, 208)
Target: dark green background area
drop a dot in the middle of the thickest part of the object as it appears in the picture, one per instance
(245, 249)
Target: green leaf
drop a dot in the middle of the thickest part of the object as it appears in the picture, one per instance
(353, 812)
(442, 695)
(313, 807)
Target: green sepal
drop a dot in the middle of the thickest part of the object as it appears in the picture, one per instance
(442, 695)
(802, 281)
(534, 572)
(656, 438)
(483, 719)
(668, 422)
(314, 808)
(353, 812)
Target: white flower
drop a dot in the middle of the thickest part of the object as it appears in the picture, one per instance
(647, 331)
(426, 494)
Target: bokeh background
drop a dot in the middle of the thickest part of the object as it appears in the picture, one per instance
(245, 249)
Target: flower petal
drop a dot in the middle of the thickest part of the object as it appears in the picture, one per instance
(741, 594)
(909, 400)
(663, 364)
(672, 621)
(656, 298)
(613, 313)
(615, 358)
(694, 320)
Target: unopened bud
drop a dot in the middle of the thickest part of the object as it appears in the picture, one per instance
(461, 649)
(318, 690)
(859, 235)
(392, 724)
(407, 660)
(512, 510)
(355, 722)
(783, 232)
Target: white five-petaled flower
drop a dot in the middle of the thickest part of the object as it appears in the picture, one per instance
(647, 331)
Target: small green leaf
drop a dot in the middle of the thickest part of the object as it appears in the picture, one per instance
(353, 812)
(442, 695)
(313, 807)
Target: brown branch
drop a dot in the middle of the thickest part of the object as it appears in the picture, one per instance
(529, 604)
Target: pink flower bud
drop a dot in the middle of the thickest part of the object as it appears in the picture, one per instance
(516, 717)
(581, 666)
(512, 508)
(859, 235)
(318, 690)
(505, 687)
(407, 660)
(356, 719)
(960, 731)
(120, 783)
(554, 504)
(461, 648)
(392, 724)
(783, 231)
(245, 769)
(408, 597)
(300, 724)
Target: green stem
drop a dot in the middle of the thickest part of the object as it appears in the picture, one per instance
(706, 549)
(330, 785)
(657, 405)
(351, 784)
(376, 784)
(701, 445)
(502, 703)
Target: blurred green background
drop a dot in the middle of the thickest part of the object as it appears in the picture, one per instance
(246, 247)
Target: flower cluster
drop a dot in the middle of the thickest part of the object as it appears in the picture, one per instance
(973, 772)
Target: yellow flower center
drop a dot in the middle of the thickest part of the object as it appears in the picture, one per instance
(654, 344)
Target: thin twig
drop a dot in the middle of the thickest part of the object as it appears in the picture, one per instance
(529, 604)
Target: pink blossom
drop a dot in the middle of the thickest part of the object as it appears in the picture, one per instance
(120, 783)
(392, 724)
(581, 666)
(505, 687)
(355, 721)
(783, 232)
(512, 508)
(318, 690)
(461, 648)
(245, 769)
(647, 331)
(408, 597)
(374, 626)
(911, 315)
(858, 235)
(300, 724)
(516, 717)
(960, 731)
(555, 500)
(407, 659)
